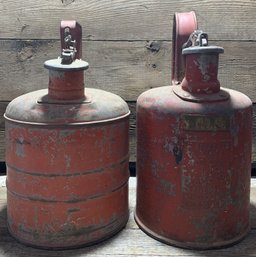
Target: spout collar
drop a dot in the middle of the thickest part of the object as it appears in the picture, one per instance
(76, 65)
(202, 50)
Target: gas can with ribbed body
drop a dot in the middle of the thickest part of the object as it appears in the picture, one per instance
(194, 156)
(67, 157)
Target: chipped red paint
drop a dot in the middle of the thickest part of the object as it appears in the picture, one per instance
(194, 160)
(67, 164)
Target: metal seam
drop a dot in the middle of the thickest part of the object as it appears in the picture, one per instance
(68, 124)
(37, 199)
(79, 173)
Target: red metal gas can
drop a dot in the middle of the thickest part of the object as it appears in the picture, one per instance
(194, 156)
(67, 157)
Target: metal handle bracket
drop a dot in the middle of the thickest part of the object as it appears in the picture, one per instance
(71, 41)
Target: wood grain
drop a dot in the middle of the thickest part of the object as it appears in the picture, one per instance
(124, 68)
(2, 134)
(126, 20)
(254, 136)
(129, 242)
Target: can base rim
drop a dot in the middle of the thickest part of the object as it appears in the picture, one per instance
(190, 245)
(60, 248)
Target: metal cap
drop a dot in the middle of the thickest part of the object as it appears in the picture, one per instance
(57, 65)
(198, 43)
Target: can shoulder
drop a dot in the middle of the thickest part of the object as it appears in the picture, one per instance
(238, 99)
(98, 106)
(165, 100)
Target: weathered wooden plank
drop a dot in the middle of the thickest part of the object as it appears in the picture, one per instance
(2, 145)
(132, 131)
(128, 243)
(124, 68)
(2, 135)
(126, 20)
(253, 203)
(254, 136)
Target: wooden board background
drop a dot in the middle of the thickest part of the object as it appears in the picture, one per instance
(127, 43)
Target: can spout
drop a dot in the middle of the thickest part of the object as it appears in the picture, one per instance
(66, 73)
(201, 65)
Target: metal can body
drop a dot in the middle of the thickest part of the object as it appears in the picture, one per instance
(67, 176)
(193, 168)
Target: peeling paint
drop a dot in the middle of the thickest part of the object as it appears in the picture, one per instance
(70, 210)
(185, 183)
(178, 154)
(67, 159)
(20, 147)
(166, 187)
(155, 168)
(203, 63)
(66, 133)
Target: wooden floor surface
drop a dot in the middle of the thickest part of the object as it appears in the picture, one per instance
(129, 242)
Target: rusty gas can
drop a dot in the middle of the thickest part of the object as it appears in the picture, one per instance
(194, 156)
(67, 157)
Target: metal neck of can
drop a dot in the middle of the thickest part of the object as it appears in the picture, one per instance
(66, 73)
(201, 65)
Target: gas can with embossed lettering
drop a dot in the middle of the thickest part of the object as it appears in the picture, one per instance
(67, 157)
(194, 156)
